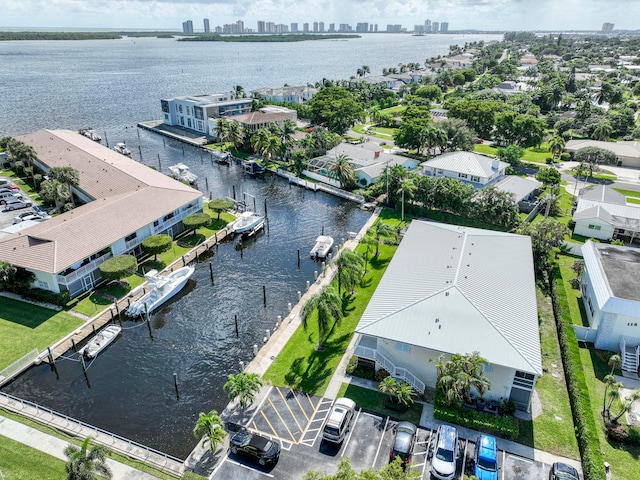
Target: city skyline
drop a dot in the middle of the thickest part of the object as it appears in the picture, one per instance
(487, 15)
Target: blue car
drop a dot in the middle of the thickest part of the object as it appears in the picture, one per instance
(486, 465)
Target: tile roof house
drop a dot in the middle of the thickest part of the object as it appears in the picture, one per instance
(451, 289)
(472, 168)
(126, 202)
(602, 213)
(263, 117)
(611, 297)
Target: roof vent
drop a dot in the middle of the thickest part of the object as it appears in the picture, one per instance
(439, 327)
(446, 294)
(437, 320)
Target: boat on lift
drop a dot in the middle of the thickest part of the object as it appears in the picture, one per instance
(91, 134)
(322, 247)
(181, 173)
(248, 223)
(100, 341)
(122, 149)
(162, 288)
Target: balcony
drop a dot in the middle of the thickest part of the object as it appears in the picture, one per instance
(367, 348)
(82, 271)
(164, 225)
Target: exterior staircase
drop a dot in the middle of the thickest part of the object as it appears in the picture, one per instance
(629, 352)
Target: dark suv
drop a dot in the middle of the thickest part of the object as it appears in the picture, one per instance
(260, 448)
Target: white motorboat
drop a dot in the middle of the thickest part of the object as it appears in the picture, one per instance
(91, 134)
(181, 173)
(100, 341)
(322, 247)
(122, 148)
(161, 289)
(248, 223)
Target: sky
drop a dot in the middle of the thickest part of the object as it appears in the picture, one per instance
(461, 14)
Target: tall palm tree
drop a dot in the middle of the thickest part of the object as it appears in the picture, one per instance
(238, 91)
(602, 131)
(67, 176)
(211, 428)
(365, 69)
(350, 265)
(456, 377)
(87, 462)
(407, 190)
(609, 381)
(244, 387)
(235, 134)
(342, 171)
(285, 133)
(266, 144)
(626, 405)
(557, 144)
(433, 137)
(389, 385)
(328, 306)
(222, 129)
(382, 231)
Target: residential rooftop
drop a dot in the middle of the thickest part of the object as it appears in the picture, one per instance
(621, 267)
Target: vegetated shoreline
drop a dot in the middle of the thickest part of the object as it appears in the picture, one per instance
(267, 38)
(7, 36)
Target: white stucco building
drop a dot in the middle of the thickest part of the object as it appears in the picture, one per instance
(469, 167)
(126, 203)
(451, 289)
(611, 296)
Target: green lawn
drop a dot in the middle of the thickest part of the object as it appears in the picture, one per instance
(299, 365)
(622, 458)
(532, 154)
(24, 327)
(375, 402)
(631, 195)
(20, 462)
(552, 431)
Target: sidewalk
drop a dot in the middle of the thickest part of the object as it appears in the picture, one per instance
(55, 447)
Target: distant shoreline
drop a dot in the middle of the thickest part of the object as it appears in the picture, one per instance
(286, 37)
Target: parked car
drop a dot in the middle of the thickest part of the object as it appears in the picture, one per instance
(404, 439)
(23, 217)
(486, 459)
(562, 471)
(445, 454)
(262, 449)
(17, 204)
(339, 420)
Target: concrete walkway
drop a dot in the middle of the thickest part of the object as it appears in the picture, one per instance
(55, 447)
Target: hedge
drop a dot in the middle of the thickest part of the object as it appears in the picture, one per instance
(585, 425)
(506, 426)
(61, 299)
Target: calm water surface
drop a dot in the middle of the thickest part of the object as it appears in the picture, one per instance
(111, 85)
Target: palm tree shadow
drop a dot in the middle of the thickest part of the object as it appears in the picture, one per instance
(347, 300)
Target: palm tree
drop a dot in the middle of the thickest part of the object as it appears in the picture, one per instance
(615, 362)
(382, 231)
(342, 171)
(550, 200)
(67, 176)
(350, 265)
(328, 305)
(609, 381)
(285, 133)
(557, 144)
(368, 241)
(222, 129)
(365, 69)
(266, 144)
(87, 462)
(235, 134)
(238, 91)
(405, 394)
(243, 386)
(456, 377)
(407, 189)
(626, 405)
(211, 427)
(602, 131)
(389, 385)
(433, 137)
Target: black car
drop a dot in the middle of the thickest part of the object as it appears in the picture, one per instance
(562, 471)
(405, 438)
(261, 448)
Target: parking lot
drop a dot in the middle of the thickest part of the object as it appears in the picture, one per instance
(7, 217)
(296, 420)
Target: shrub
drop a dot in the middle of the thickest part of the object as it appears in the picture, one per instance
(565, 157)
(61, 299)
(380, 375)
(506, 426)
(352, 365)
(548, 160)
(507, 407)
(633, 433)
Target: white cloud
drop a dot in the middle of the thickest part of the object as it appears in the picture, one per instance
(169, 14)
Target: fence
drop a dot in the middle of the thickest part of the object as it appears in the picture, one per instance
(161, 461)
(16, 367)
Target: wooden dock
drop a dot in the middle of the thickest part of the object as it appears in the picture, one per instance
(112, 313)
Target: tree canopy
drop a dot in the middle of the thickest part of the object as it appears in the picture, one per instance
(116, 268)
(335, 108)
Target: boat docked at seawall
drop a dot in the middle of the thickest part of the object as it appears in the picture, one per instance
(100, 341)
(181, 173)
(91, 134)
(161, 289)
(322, 247)
(223, 158)
(248, 223)
(122, 148)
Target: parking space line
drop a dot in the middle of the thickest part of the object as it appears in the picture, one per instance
(250, 468)
(464, 458)
(259, 407)
(273, 430)
(426, 456)
(354, 422)
(293, 438)
(301, 408)
(380, 443)
(503, 459)
(290, 411)
(321, 420)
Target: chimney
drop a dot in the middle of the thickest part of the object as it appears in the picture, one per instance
(376, 154)
(495, 164)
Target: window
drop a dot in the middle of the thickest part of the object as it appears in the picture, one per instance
(168, 217)
(43, 285)
(198, 113)
(165, 106)
(166, 116)
(156, 223)
(189, 122)
(180, 108)
(488, 368)
(130, 237)
(200, 125)
(403, 347)
(182, 121)
(440, 171)
(524, 380)
(595, 227)
(462, 175)
(475, 179)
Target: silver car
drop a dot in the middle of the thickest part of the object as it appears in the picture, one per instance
(339, 420)
(17, 204)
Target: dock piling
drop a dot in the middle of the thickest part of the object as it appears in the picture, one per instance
(175, 384)
(236, 320)
(298, 259)
(264, 295)
(211, 272)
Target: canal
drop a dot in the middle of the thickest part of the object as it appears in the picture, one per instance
(129, 389)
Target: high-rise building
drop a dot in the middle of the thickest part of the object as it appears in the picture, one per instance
(444, 27)
(315, 27)
(294, 27)
(427, 25)
(332, 27)
(435, 27)
(397, 28)
(240, 26)
(206, 26)
(607, 27)
(362, 27)
(321, 27)
(270, 27)
(187, 27)
(305, 27)
(261, 26)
